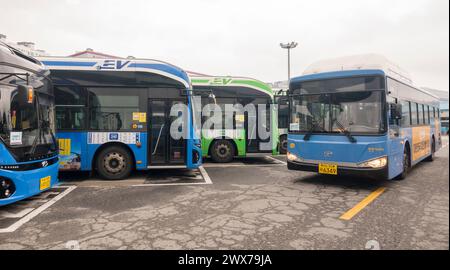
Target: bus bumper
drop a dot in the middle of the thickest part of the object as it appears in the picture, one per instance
(27, 183)
(377, 174)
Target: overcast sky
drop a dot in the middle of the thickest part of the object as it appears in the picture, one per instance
(226, 37)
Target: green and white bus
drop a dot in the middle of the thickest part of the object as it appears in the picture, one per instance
(243, 132)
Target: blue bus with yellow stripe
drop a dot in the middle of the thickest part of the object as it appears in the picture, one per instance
(117, 115)
(360, 116)
(28, 147)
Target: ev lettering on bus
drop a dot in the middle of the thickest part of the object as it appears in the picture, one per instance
(113, 64)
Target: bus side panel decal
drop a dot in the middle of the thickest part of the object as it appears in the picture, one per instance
(105, 137)
(69, 151)
(421, 142)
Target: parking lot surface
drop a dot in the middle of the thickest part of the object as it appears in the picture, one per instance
(249, 204)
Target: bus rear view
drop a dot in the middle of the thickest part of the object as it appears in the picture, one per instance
(358, 116)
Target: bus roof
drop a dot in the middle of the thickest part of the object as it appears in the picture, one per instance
(11, 58)
(118, 64)
(228, 81)
(357, 63)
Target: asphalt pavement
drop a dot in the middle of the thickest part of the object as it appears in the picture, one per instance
(254, 203)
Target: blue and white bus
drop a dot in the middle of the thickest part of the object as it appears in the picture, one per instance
(360, 115)
(114, 115)
(28, 147)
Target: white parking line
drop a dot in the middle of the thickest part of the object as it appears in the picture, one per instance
(228, 165)
(205, 175)
(277, 160)
(37, 211)
(241, 165)
(202, 172)
(22, 213)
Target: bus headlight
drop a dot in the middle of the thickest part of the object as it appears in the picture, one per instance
(374, 163)
(7, 188)
(292, 157)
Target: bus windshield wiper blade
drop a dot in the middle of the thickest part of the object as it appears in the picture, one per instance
(347, 133)
(35, 142)
(311, 130)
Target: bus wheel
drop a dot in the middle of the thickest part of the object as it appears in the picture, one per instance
(406, 164)
(283, 144)
(222, 151)
(433, 150)
(114, 163)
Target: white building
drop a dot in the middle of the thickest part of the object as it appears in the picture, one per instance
(26, 47)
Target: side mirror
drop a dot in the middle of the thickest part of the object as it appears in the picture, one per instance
(25, 95)
(396, 110)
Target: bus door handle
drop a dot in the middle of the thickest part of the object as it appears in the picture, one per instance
(157, 141)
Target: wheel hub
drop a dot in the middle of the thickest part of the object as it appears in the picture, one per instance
(223, 150)
(114, 162)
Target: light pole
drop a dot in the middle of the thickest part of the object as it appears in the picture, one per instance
(289, 46)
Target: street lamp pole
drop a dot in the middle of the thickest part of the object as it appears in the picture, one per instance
(289, 46)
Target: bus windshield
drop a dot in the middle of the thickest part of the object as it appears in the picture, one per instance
(358, 112)
(27, 130)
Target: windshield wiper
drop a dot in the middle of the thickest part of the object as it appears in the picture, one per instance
(342, 129)
(311, 130)
(44, 125)
(35, 141)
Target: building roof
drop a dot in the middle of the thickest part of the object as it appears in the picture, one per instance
(90, 53)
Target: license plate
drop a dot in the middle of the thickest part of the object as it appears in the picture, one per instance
(328, 169)
(45, 182)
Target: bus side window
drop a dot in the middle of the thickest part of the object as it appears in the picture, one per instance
(420, 114)
(414, 120)
(431, 115)
(70, 108)
(406, 114)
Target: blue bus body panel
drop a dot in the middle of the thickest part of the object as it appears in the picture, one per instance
(163, 67)
(83, 149)
(337, 149)
(342, 150)
(319, 147)
(27, 183)
(337, 74)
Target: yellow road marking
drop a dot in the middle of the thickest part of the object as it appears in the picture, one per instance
(360, 206)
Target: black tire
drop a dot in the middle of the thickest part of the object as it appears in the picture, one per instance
(114, 163)
(433, 150)
(283, 144)
(222, 151)
(406, 164)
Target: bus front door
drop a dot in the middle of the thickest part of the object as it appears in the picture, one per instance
(163, 149)
(256, 142)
